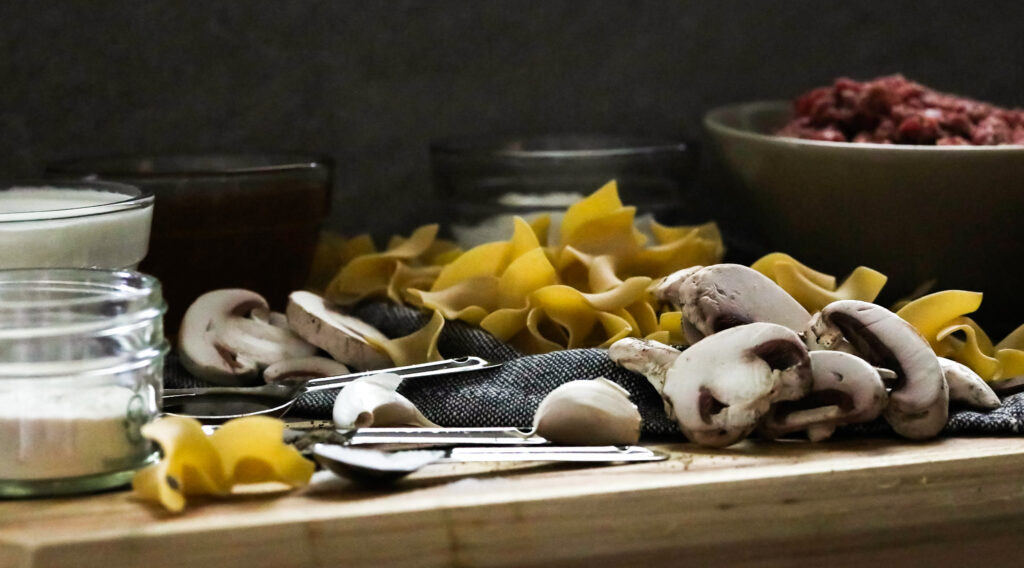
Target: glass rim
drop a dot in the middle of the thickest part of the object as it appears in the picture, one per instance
(156, 166)
(588, 145)
(717, 120)
(96, 284)
(135, 198)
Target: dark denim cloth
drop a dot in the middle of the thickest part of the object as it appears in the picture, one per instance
(509, 395)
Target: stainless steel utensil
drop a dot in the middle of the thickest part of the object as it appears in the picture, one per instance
(218, 404)
(370, 466)
(444, 436)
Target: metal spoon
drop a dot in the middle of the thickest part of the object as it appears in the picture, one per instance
(376, 466)
(218, 404)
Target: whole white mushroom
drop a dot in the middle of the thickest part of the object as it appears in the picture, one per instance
(719, 388)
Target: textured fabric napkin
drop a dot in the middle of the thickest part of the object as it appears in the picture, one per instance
(509, 395)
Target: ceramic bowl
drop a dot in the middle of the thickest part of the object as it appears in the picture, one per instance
(952, 214)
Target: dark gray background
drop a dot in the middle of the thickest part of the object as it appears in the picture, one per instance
(371, 83)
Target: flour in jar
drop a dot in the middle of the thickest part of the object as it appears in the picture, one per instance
(60, 433)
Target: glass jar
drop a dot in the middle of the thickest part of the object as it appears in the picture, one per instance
(81, 362)
(485, 182)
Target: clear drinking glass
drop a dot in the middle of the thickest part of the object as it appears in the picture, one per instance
(224, 220)
(484, 182)
(81, 366)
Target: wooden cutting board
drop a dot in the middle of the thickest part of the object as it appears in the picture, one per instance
(949, 502)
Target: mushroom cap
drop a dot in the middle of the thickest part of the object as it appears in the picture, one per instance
(721, 296)
(968, 387)
(721, 386)
(226, 337)
(919, 398)
(667, 289)
(846, 390)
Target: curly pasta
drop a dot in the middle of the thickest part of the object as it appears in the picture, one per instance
(583, 283)
(242, 451)
(941, 319)
(815, 290)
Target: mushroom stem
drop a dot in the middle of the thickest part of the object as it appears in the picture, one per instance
(650, 358)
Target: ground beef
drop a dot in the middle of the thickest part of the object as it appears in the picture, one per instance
(893, 110)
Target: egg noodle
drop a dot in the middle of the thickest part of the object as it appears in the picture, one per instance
(586, 283)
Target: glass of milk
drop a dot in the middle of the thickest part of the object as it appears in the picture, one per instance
(73, 224)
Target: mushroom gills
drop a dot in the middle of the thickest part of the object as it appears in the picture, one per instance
(719, 388)
(918, 396)
(229, 337)
(846, 390)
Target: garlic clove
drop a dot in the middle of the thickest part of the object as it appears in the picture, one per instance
(968, 387)
(594, 412)
(373, 401)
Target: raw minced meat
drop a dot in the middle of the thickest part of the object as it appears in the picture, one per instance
(894, 110)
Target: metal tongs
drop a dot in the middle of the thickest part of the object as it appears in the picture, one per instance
(214, 405)
(379, 455)
(377, 466)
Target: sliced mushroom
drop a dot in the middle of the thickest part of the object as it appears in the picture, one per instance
(846, 390)
(343, 336)
(303, 368)
(374, 401)
(650, 358)
(224, 338)
(918, 399)
(819, 336)
(720, 387)
(968, 387)
(588, 413)
(718, 297)
(276, 319)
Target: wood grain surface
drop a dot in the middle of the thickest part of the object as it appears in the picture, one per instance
(949, 502)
